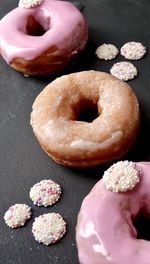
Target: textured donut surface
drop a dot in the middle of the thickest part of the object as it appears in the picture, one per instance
(82, 144)
(105, 233)
(43, 39)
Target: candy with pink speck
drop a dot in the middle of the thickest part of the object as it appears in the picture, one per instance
(133, 50)
(17, 215)
(124, 70)
(45, 193)
(107, 52)
(122, 176)
(29, 3)
(49, 228)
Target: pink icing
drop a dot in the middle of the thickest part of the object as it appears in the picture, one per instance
(105, 233)
(65, 28)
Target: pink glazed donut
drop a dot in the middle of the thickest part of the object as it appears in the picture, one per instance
(105, 233)
(42, 37)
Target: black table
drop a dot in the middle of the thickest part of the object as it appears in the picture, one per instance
(22, 161)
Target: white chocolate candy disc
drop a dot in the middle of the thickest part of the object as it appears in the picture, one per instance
(133, 50)
(17, 215)
(29, 3)
(107, 52)
(45, 193)
(121, 177)
(49, 228)
(124, 70)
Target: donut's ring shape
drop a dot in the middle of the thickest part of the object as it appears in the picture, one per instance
(82, 144)
(105, 233)
(65, 35)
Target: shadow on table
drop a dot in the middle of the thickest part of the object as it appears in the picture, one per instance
(141, 148)
(83, 62)
(139, 152)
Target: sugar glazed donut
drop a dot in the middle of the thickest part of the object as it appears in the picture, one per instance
(41, 36)
(105, 232)
(69, 141)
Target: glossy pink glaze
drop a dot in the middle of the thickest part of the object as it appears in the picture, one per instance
(65, 28)
(105, 233)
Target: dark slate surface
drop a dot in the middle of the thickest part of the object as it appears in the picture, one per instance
(22, 161)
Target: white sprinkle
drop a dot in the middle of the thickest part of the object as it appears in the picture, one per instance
(49, 228)
(124, 70)
(45, 192)
(107, 52)
(133, 50)
(29, 3)
(17, 215)
(121, 177)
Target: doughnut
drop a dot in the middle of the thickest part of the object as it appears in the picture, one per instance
(41, 37)
(56, 123)
(17, 215)
(49, 228)
(105, 232)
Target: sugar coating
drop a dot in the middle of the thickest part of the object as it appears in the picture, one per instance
(121, 177)
(82, 144)
(124, 70)
(45, 193)
(17, 215)
(29, 3)
(107, 52)
(133, 50)
(49, 228)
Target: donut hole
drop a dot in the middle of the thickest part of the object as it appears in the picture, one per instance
(142, 225)
(34, 28)
(87, 111)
